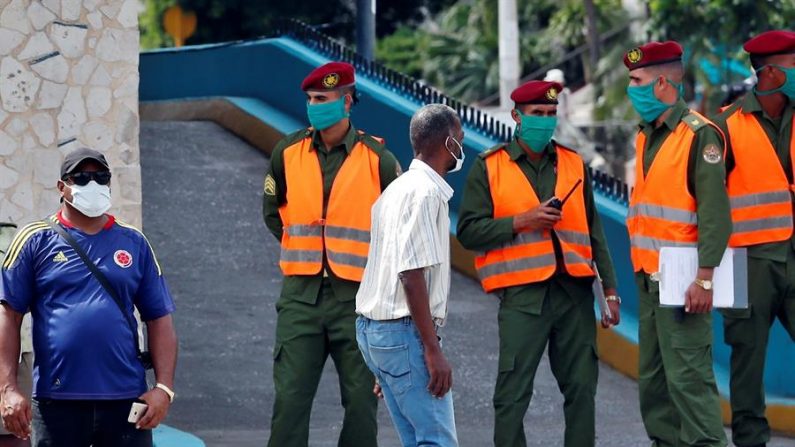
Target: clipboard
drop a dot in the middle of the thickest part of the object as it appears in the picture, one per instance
(678, 268)
(599, 294)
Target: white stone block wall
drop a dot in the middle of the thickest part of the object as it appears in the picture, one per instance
(68, 78)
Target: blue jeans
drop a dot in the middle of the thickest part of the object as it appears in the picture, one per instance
(394, 353)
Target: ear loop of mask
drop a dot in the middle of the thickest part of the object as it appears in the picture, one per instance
(775, 90)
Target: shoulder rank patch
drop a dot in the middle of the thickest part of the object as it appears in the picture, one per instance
(711, 154)
(270, 185)
(694, 121)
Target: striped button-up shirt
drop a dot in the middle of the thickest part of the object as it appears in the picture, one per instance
(410, 230)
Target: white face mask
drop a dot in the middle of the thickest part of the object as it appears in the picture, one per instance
(93, 200)
(459, 162)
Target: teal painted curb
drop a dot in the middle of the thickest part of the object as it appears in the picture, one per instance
(166, 436)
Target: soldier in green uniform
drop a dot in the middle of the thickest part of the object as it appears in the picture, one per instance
(317, 200)
(539, 260)
(679, 199)
(759, 162)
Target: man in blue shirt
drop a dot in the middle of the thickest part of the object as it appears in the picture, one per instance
(87, 372)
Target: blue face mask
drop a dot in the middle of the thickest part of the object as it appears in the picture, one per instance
(324, 115)
(646, 104)
(536, 131)
(787, 88)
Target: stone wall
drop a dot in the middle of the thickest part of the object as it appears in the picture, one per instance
(68, 78)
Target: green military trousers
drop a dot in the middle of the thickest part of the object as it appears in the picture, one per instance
(305, 336)
(568, 324)
(771, 295)
(679, 399)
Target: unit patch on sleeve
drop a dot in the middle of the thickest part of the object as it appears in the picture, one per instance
(712, 154)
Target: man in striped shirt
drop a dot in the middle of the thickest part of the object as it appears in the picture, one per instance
(403, 297)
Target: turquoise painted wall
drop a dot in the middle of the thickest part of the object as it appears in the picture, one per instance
(271, 70)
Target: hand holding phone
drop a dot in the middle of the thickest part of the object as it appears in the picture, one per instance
(137, 412)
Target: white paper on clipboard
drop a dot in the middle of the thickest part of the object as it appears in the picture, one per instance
(678, 268)
(599, 294)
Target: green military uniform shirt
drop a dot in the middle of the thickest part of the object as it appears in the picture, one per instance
(305, 288)
(779, 132)
(705, 181)
(479, 230)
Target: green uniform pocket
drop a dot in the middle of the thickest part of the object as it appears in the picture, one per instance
(737, 327)
(690, 359)
(393, 363)
(736, 314)
(507, 363)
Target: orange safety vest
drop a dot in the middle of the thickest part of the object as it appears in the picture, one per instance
(662, 212)
(759, 191)
(530, 257)
(344, 233)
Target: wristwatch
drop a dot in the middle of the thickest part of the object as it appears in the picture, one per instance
(704, 283)
(615, 298)
(166, 390)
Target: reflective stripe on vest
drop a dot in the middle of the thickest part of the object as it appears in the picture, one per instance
(344, 233)
(574, 237)
(346, 259)
(348, 233)
(304, 230)
(335, 232)
(662, 212)
(650, 243)
(530, 256)
(764, 223)
(517, 265)
(759, 191)
(297, 255)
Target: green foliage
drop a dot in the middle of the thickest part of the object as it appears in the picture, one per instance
(461, 58)
(225, 20)
(151, 24)
(567, 26)
(459, 50)
(732, 22)
(401, 50)
(715, 30)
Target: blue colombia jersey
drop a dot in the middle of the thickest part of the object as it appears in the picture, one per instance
(84, 346)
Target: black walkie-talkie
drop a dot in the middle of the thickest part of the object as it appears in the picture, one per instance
(557, 203)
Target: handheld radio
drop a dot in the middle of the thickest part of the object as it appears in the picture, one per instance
(557, 203)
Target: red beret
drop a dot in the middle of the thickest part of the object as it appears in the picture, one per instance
(537, 92)
(653, 53)
(330, 76)
(771, 42)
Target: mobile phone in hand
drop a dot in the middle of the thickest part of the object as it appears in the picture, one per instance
(137, 412)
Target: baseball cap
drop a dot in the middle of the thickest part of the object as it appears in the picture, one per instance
(77, 156)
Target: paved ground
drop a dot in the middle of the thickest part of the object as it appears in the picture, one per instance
(202, 211)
